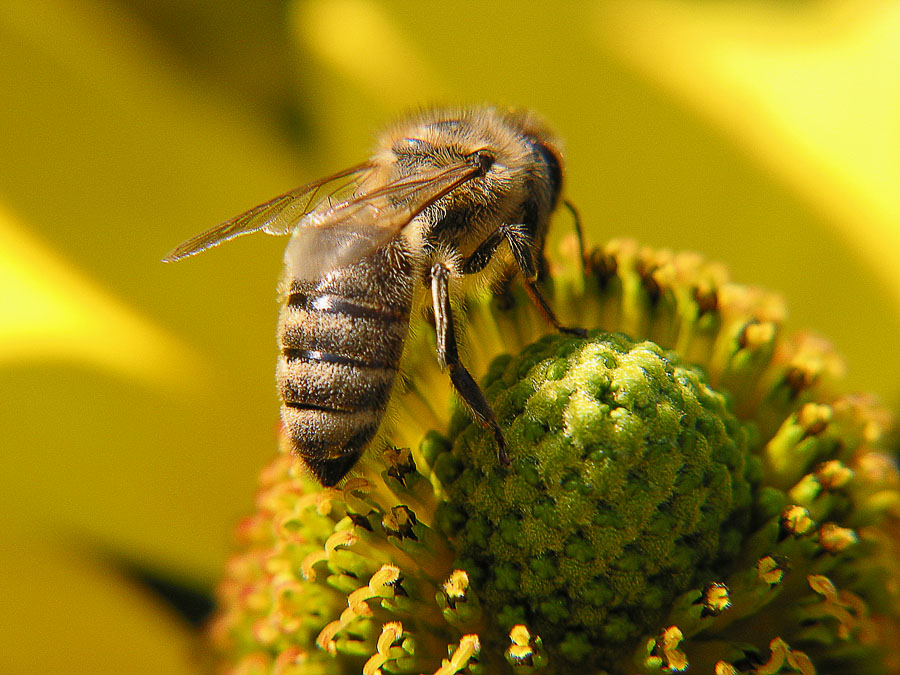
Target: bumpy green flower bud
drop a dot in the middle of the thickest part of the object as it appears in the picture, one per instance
(629, 483)
(652, 519)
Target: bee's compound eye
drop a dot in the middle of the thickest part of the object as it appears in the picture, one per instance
(485, 160)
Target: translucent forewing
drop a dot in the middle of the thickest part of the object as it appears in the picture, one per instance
(351, 230)
(278, 216)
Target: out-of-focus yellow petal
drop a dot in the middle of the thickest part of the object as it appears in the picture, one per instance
(112, 153)
(362, 66)
(52, 312)
(64, 612)
(358, 40)
(808, 89)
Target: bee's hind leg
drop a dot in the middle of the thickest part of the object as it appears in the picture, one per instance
(522, 246)
(448, 356)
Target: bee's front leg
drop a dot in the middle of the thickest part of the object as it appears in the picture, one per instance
(523, 250)
(579, 233)
(448, 356)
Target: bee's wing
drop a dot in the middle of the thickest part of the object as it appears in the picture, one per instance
(353, 229)
(277, 216)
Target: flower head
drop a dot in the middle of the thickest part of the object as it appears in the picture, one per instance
(691, 490)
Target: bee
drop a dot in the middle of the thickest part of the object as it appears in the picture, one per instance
(442, 193)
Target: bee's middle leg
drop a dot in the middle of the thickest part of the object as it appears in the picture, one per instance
(448, 356)
(522, 246)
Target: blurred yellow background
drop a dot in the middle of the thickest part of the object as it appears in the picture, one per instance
(136, 399)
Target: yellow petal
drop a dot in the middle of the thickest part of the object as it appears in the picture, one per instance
(358, 40)
(53, 312)
(65, 612)
(808, 89)
(112, 154)
(362, 67)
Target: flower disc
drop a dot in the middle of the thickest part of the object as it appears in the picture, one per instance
(630, 483)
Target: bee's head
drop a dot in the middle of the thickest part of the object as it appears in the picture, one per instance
(550, 158)
(547, 161)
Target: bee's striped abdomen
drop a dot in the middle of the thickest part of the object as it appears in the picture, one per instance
(341, 340)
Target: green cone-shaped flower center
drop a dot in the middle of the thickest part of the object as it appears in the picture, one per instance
(629, 484)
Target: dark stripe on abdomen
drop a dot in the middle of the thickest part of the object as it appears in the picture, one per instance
(333, 386)
(293, 354)
(297, 405)
(325, 434)
(335, 304)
